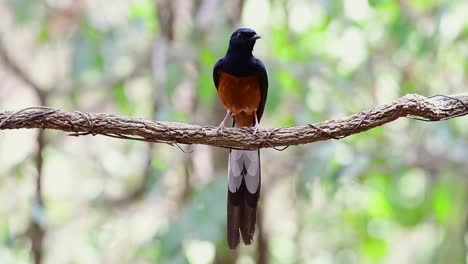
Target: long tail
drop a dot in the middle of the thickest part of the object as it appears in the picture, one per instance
(243, 193)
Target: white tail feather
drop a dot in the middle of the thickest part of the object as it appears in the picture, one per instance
(245, 163)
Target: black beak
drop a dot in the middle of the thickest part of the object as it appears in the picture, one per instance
(255, 37)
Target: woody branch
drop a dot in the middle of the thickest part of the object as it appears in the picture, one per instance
(435, 108)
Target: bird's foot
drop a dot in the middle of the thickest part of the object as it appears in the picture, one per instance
(254, 129)
(222, 125)
(220, 128)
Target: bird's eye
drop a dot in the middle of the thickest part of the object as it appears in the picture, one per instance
(249, 34)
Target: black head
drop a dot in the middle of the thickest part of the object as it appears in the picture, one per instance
(243, 40)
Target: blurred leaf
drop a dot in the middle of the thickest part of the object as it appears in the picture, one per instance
(120, 98)
(174, 72)
(5, 235)
(289, 82)
(374, 249)
(24, 10)
(206, 88)
(442, 202)
(285, 119)
(317, 166)
(275, 92)
(379, 206)
(150, 252)
(87, 58)
(202, 218)
(402, 29)
(387, 10)
(144, 12)
(412, 180)
(90, 32)
(44, 34)
(423, 5)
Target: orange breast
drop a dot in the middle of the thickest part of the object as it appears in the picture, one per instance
(241, 95)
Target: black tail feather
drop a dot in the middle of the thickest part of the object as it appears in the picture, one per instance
(233, 219)
(248, 218)
(241, 215)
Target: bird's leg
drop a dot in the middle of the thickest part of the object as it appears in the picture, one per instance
(226, 117)
(256, 123)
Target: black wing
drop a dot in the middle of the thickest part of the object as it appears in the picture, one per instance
(263, 79)
(217, 66)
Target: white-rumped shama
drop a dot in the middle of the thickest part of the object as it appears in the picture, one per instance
(242, 84)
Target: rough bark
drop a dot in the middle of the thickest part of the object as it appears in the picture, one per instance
(434, 108)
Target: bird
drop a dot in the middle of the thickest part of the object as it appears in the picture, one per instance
(242, 84)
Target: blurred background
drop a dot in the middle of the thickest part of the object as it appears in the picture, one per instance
(395, 194)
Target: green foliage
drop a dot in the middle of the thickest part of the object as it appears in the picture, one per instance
(144, 13)
(87, 57)
(396, 192)
(121, 99)
(24, 10)
(200, 220)
(206, 93)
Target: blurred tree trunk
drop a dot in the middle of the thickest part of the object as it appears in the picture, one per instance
(36, 229)
(262, 248)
